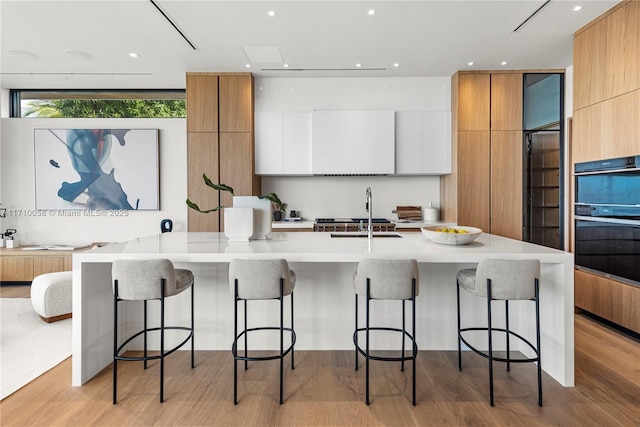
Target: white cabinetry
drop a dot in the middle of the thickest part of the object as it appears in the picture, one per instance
(297, 143)
(353, 142)
(423, 142)
(283, 143)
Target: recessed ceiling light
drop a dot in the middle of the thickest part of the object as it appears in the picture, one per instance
(247, 65)
(576, 8)
(79, 54)
(504, 63)
(470, 63)
(271, 13)
(396, 64)
(134, 55)
(371, 12)
(23, 54)
(285, 65)
(358, 65)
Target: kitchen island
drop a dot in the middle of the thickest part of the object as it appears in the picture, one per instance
(324, 298)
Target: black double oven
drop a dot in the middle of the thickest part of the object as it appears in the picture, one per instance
(607, 218)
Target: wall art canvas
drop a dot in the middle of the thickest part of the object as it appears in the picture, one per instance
(96, 169)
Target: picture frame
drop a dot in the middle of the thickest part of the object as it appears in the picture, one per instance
(115, 169)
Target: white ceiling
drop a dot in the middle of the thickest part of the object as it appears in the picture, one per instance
(85, 44)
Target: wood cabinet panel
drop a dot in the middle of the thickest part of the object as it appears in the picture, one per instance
(50, 264)
(623, 50)
(474, 101)
(609, 299)
(590, 65)
(608, 129)
(237, 167)
(202, 102)
(474, 175)
(620, 135)
(202, 158)
(236, 102)
(506, 184)
(17, 269)
(506, 101)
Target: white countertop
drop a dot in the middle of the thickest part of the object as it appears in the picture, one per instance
(320, 247)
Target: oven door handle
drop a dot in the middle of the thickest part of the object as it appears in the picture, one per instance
(632, 222)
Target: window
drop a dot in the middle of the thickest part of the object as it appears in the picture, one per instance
(98, 104)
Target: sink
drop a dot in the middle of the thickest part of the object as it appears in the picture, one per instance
(364, 234)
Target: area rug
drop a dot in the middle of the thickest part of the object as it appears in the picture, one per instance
(29, 346)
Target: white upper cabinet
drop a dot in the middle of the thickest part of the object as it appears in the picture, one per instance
(353, 142)
(297, 143)
(283, 143)
(269, 143)
(423, 143)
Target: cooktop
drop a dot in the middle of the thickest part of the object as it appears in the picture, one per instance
(351, 220)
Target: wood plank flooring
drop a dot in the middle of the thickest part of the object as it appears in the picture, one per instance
(324, 390)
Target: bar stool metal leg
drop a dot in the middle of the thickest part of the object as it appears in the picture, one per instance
(403, 329)
(413, 337)
(538, 343)
(506, 316)
(490, 341)
(161, 344)
(115, 341)
(459, 336)
(367, 343)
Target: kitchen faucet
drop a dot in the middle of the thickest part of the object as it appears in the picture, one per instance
(368, 203)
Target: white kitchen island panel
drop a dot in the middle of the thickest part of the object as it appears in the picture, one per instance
(324, 298)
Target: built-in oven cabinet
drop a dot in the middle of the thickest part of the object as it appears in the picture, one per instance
(612, 300)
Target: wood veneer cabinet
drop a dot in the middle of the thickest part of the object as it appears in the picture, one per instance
(606, 124)
(22, 266)
(202, 102)
(485, 187)
(220, 142)
(612, 300)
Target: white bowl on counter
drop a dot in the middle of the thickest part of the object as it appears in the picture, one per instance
(451, 235)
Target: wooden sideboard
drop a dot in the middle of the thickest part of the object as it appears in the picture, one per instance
(22, 266)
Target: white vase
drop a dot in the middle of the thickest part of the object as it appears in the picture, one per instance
(238, 224)
(261, 214)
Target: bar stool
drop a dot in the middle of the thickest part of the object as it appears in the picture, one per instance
(144, 280)
(260, 280)
(385, 279)
(507, 280)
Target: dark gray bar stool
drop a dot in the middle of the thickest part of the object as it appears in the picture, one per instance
(507, 280)
(144, 280)
(385, 279)
(260, 280)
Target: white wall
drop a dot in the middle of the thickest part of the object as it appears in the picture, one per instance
(313, 196)
(320, 196)
(18, 184)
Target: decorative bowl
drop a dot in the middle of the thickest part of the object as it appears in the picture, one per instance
(451, 235)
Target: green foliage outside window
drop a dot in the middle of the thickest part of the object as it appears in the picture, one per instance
(106, 108)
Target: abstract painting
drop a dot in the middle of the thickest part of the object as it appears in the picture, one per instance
(96, 169)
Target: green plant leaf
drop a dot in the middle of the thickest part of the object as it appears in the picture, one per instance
(197, 208)
(273, 197)
(219, 187)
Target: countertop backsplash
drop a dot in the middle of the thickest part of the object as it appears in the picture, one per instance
(344, 196)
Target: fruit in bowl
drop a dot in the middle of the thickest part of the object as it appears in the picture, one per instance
(451, 235)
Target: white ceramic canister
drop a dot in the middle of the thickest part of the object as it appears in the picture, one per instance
(430, 213)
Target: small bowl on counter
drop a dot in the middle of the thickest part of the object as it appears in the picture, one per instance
(451, 234)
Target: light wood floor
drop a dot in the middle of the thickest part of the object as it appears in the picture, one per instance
(324, 390)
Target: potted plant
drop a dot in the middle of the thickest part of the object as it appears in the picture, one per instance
(261, 222)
